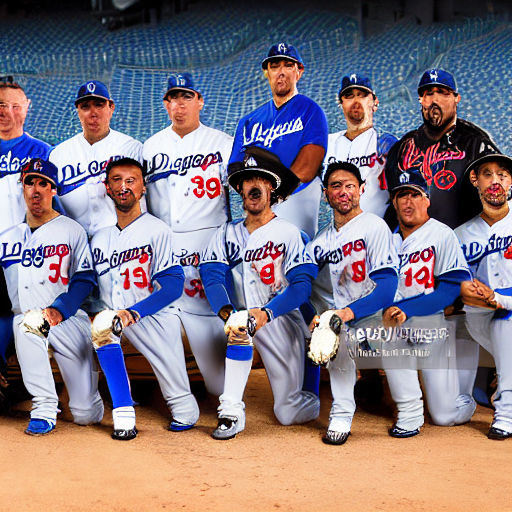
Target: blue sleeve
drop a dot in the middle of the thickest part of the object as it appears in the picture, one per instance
(386, 281)
(237, 153)
(447, 290)
(298, 290)
(385, 142)
(171, 281)
(80, 286)
(317, 130)
(215, 284)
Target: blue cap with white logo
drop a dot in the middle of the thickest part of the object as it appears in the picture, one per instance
(355, 81)
(180, 82)
(411, 179)
(42, 169)
(92, 89)
(437, 76)
(281, 51)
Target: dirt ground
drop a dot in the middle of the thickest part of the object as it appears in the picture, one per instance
(267, 467)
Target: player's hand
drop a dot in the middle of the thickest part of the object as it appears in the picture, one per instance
(393, 317)
(346, 314)
(260, 316)
(314, 323)
(53, 316)
(486, 292)
(126, 317)
(474, 294)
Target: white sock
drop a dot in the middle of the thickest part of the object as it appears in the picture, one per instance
(235, 379)
(124, 418)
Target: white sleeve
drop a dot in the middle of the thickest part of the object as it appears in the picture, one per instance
(381, 250)
(215, 251)
(164, 257)
(449, 255)
(81, 256)
(296, 252)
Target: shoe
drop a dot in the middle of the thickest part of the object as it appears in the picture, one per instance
(498, 434)
(227, 428)
(178, 426)
(335, 437)
(39, 427)
(125, 434)
(395, 431)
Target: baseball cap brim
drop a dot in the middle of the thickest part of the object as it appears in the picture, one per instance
(238, 176)
(37, 175)
(280, 57)
(91, 96)
(409, 186)
(491, 157)
(180, 88)
(435, 84)
(362, 87)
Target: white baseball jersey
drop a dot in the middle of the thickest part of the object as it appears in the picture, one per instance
(82, 172)
(186, 177)
(368, 152)
(429, 252)
(358, 248)
(39, 265)
(488, 250)
(127, 260)
(266, 255)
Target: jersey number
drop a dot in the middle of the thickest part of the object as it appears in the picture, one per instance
(423, 276)
(196, 288)
(140, 279)
(358, 271)
(212, 187)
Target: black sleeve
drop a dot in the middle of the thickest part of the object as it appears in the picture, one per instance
(391, 172)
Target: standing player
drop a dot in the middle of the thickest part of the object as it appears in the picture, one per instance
(358, 251)
(276, 276)
(293, 127)
(187, 189)
(432, 268)
(486, 243)
(48, 267)
(131, 259)
(82, 159)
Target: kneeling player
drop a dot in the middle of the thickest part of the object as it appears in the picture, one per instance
(276, 276)
(486, 244)
(432, 268)
(362, 262)
(131, 259)
(48, 268)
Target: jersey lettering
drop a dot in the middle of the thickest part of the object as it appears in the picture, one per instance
(337, 255)
(269, 249)
(161, 162)
(267, 137)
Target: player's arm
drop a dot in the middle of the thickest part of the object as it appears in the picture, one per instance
(308, 162)
(381, 297)
(444, 294)
(66, 304)
(215, 279)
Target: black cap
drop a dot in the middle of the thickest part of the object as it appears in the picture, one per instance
(490, 156)
(342, 166)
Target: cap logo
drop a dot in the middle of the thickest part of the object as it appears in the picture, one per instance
(180, 80)
(281, 48)
(37, 165)
(91, 86)
(404, 177)
(433, 74)
(250, 162)
(353, 78)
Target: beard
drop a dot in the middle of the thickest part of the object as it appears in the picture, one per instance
(495, 195)
(435, 118)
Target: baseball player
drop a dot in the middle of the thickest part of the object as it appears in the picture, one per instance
(360, 143)
(486, 243)
(187, 189)
(82, 159)
(432, 268)
(132, 259)
(362, 262)
(276, 275)
(16, 148)
(293, 127)
(48, 268)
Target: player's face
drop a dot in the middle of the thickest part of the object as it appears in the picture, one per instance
(283, 76)
(184, 109)
(95, 115)
(256, 195)
(411, 207)
(343, 191)
(38, 195)
(125, 185)
(438, 106)
(358, 106)
(493, 183)
(13, 111)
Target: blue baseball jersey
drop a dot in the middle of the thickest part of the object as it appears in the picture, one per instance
(14, 153)
(284, 130)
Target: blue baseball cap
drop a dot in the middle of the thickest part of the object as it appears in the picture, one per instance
(92, 89)
(356, 81)
(281, 51)
(437, 76)
(42, 169)
(180, 82)
(411, 179)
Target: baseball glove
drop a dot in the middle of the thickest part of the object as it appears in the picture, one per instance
(35, 322)
(325, 339)
(105, 324)
(240, 328)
